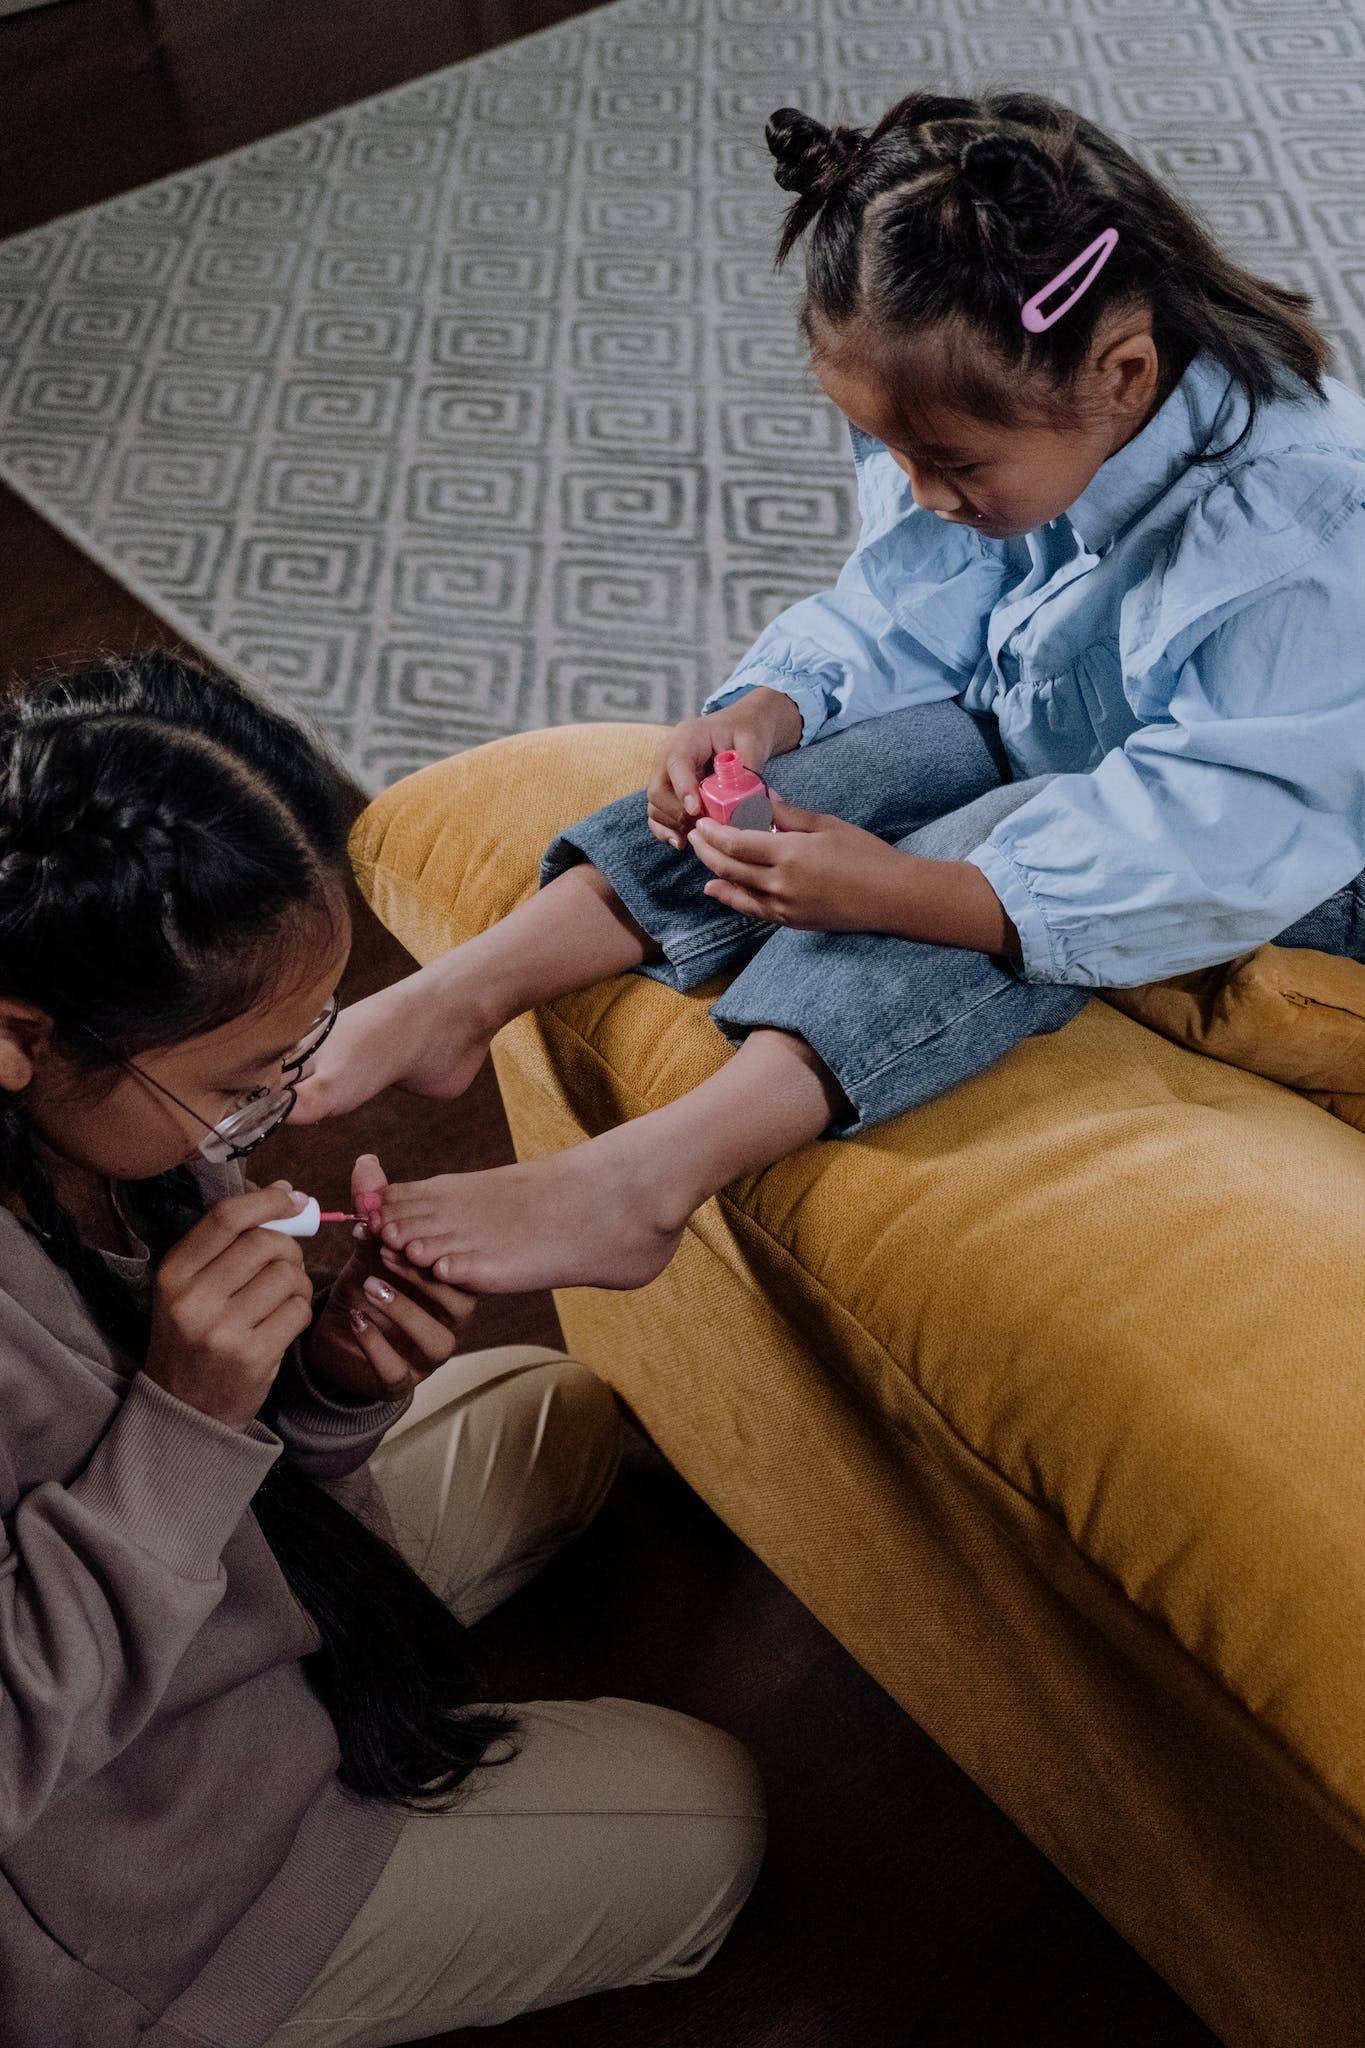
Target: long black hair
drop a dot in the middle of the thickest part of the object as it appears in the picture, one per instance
(165, 839)
(930, 231)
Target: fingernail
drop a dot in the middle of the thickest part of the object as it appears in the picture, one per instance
(359, 1230)
(690, 804)
(377, 1290)
(359, 1322)
(298, 1200)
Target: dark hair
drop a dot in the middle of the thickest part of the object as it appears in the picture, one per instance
(165, 842)
(939, 224)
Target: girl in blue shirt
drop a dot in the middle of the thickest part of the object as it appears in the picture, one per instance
(1085, 707)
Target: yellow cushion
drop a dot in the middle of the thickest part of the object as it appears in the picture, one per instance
(1120, 1283)
(1291, 1013)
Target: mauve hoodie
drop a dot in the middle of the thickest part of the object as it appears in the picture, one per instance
(177, 1857)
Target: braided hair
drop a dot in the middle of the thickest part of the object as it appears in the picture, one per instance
(938, 223)
(165, 840)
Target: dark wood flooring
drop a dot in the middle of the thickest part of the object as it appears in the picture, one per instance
(897, 1906)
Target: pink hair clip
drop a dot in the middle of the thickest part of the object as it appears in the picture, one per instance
(1036, 321)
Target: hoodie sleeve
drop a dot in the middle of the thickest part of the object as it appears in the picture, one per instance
(105, 1580)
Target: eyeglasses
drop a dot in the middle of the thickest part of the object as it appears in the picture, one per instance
(250, 1122)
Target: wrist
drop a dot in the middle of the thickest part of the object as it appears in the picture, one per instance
(316, 1380)
(946, 903)
(775, 719)
(224, 1405)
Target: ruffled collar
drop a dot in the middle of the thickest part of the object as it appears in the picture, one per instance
(1204, 402)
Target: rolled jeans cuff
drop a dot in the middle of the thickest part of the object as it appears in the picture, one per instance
(933, 1015)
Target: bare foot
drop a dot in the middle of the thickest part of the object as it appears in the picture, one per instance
(588, 1217)
(427, 1034)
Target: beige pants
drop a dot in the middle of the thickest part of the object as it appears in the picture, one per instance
(620, 1843)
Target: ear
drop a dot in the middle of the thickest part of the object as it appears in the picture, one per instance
(25, 1036)
(1128, 368)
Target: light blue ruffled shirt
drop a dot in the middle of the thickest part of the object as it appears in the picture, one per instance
(1183, 650)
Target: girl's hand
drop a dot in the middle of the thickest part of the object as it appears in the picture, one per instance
(227, 1302)
(756, 726)
(386, 1324)
(817, 874)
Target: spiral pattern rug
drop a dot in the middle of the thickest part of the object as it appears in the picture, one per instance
(478, 407)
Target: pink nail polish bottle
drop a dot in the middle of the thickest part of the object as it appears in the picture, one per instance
(734, 795)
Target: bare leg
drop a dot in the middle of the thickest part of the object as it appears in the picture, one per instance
(430, 1031)
(609, 1213)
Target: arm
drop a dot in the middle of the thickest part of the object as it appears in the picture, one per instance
(1212, 829)
(326, 1435)
(104, 1583)
(841, 655)
(947, 903)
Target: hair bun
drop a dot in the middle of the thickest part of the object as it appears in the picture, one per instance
(811, 158)
(1010, 172)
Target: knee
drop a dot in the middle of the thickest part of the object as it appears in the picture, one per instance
(720, 1853)
(960, 831)
(583, 1411)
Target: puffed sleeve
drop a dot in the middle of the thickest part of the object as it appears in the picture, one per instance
(904, 623)
(1240, 804)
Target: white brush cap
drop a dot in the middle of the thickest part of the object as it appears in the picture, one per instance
(306, 1224)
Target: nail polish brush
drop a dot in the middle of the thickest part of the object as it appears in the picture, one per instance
(309, 1220)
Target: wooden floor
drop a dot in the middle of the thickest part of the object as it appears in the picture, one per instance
(898, 1908)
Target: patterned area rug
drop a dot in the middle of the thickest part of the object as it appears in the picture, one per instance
(477, 406)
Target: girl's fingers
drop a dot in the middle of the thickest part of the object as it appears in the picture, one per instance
(394, 1372)
(433, 1341)
(667, 835)
(725, 864)
(272, 1285)
(735, 842)
(682, 776)
(740, 899)
(285, 1323)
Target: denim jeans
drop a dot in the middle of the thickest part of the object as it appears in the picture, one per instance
(896, 1021)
